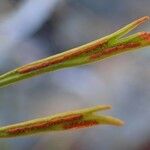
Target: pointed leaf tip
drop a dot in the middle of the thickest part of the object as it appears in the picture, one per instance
(142, 20)
(97, 108)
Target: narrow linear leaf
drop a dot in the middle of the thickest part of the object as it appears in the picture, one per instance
(65, 121)
(100, 49)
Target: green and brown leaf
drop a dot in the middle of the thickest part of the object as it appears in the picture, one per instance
(70, 120)
(100, 49)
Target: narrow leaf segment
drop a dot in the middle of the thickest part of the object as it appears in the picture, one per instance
(65, 121)
(100, 49)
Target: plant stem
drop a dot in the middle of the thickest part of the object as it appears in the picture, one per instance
(65, 121)
(100, 49)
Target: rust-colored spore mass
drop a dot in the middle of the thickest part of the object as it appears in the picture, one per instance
(145, 36)
(81, 124)
(43, 125)
(116, 49)
(60, 59)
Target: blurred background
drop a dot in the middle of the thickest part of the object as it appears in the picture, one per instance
(34, 29)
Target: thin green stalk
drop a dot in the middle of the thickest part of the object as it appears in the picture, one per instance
(100, 49)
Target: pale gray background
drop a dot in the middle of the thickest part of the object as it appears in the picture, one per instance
(33, 29)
